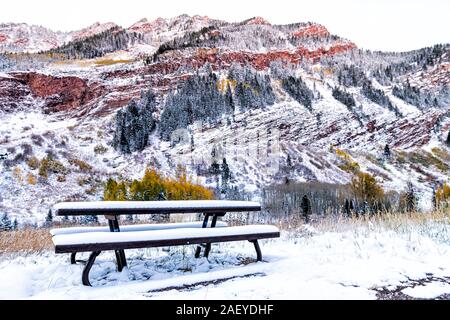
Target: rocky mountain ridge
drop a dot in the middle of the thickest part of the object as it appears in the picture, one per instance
(320, 98)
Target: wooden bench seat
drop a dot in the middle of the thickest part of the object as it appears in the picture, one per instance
(96, 242)
(136, 227)
(132, 228)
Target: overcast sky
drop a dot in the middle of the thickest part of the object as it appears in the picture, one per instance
(394, 25)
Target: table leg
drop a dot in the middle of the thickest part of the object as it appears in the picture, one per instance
(208, 245)
(120, 254)
(205, 225)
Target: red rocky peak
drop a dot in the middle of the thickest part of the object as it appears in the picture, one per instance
(258, 20)
(312, 30)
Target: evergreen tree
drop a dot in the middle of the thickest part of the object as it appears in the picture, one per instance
(215, 168)
(116, 38)
(48, 219)
(306, 208)
(298, 90)
(348, 207)
(192, 143)
(88, 219)
(411, 200)
(15, 224)
(162, 196)
(387, 152)
(378, 96)
(198, 99)
(253, 90)
(344, 97)
(134, 123)
(289, 161)
(351, 76)
(5, 223)
(415, 96)
(433, 198)
(226, 175)
(448, 139)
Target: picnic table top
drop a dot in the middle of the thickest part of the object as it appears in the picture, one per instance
(152, 207)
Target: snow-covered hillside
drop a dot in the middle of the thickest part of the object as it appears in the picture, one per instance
(326, 102)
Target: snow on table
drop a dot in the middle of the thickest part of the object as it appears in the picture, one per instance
(137, 227)
(154, 235)
(146, 207)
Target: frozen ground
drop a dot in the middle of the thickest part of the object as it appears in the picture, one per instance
(363, 263)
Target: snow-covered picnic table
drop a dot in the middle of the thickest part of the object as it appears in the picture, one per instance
(153, 207)
(78, 239)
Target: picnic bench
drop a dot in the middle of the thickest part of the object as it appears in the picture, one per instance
(119, 238)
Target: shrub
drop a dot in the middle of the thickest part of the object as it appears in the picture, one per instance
(17, 173)
(426, 159)
(100, 149)
(31, 179)
(11, 150)
(441, 153)
(82, 165)
(443, 195)
(50, 165)
(27, 149)
(33, 163)
(91, 191)
(37, 139)
(348, 165)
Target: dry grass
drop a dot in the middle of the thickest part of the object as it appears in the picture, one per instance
(399, 222)
(25, 241)
(108, 62)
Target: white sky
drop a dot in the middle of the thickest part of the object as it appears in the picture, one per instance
(393, 25)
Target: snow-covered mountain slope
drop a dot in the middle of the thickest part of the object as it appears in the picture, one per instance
(67, 107)
(24, 38)
(20, 37)
(92, 30)
(161, 30)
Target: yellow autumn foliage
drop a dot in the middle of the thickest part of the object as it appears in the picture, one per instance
(153, 184)
(366, 188)
(349, 165)
(222, 85)
(17, 173)
(443, 195)
(31, 179)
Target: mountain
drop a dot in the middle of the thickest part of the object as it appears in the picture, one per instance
(24, 38)
(161, 30)
(281, 103)
(20, 37)
(91, 31)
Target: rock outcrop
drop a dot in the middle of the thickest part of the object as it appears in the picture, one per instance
(60, 93)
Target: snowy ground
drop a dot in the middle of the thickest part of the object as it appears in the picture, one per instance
(363, 263)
